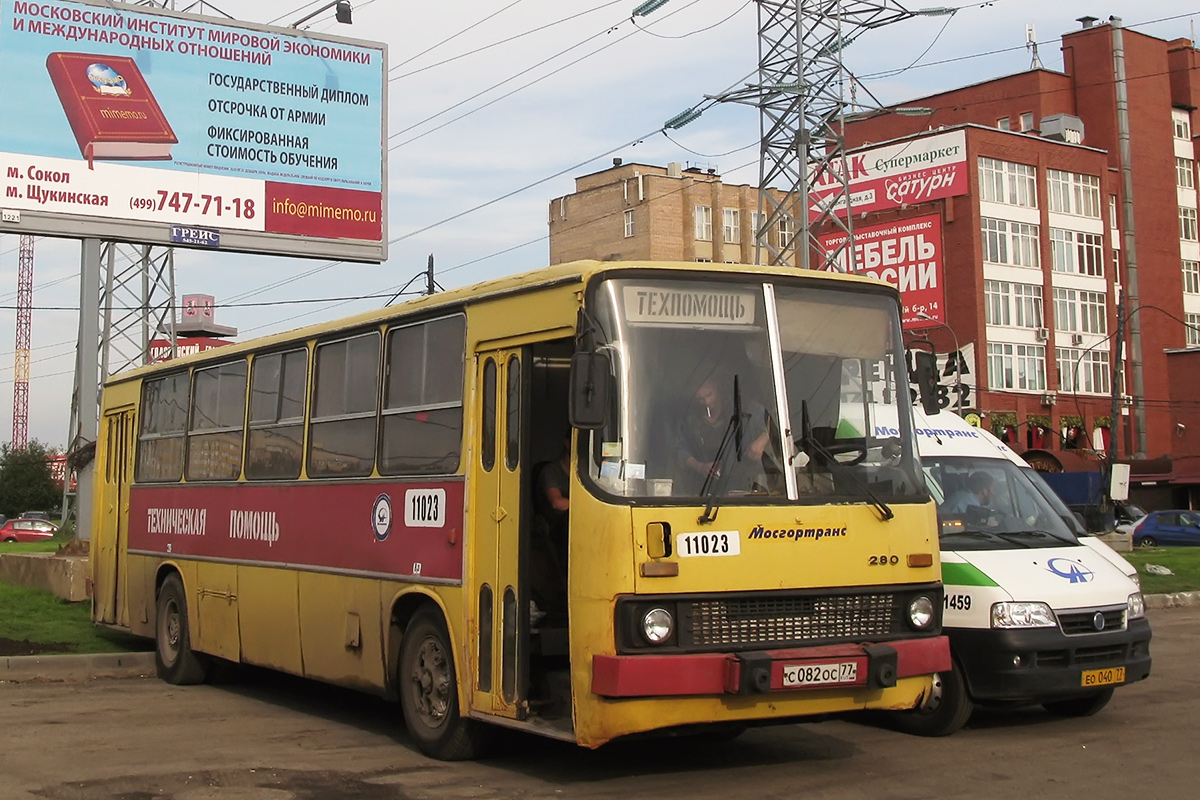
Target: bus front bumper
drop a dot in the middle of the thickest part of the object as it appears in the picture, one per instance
(875, 666)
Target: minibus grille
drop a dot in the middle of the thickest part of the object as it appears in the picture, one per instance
(1076, 623)
(761, 621)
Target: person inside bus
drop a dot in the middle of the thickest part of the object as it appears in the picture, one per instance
(976, 494)
(552, 502)
(553, 496)
(698, 440)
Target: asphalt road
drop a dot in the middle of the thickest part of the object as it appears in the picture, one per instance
(270, 737)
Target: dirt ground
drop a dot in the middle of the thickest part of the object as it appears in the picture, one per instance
(24, 647)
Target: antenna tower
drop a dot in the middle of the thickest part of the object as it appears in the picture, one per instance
(20, 422)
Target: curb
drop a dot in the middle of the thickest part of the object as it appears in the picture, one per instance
(1173, 600)
(76, 667)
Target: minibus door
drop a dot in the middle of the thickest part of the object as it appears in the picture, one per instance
(499, 607)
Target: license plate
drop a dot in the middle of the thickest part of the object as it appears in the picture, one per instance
(820, 674)
(1102, 677)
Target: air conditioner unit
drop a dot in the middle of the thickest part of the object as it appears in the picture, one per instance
(1043, 334)
(1049, 398)
(1076, 338)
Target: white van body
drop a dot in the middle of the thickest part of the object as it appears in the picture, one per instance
(1035, 612)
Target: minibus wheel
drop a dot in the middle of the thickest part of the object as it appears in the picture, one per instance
(1084, 706)
(945, 711)
(174, 659)
(429, 694)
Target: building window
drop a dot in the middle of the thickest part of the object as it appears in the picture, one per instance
(1185, 174)
(1076, 252)
(1085, 371)
(1027, 121)
(1193, 329)
(1016, 366)
(1182, 127)
(1080, 312)
(629, 223)
(787, 233)
(1004, 124)
(1015, 304)
(1072, 193)
(1112, 212)
(1012, 243)
(704, 223)
(733, 225)
(1187, 224)
(1191, 277)
(1007, 182)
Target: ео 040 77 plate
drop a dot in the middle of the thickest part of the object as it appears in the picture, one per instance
(1102, 677)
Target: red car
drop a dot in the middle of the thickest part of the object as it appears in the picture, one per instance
(27, 530)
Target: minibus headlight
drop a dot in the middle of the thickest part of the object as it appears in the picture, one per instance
(920, 612)
(1022, 615)
(657, 625)
(1135, 607)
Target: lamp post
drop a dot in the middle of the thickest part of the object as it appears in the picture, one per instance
(957, 360)
(342, 13)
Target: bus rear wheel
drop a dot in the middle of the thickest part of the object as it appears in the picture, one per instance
(174, 658)
(947, 709)
(429, 694)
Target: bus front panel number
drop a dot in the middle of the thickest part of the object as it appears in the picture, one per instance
(425, 508)
(708, 543)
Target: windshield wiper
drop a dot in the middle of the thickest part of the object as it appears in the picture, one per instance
(808, 443)
(715, 479)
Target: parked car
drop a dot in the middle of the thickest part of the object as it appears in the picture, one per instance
(27, 530)
(1168, 529)
(1128, 516)
(35, 515)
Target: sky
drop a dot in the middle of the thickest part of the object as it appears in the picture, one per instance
(496, 107)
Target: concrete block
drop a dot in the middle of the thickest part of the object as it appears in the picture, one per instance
(65, 576)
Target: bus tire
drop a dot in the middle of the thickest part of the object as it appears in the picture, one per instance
(428, 691)
(948, 708)
(174, 658)
(1084, 706)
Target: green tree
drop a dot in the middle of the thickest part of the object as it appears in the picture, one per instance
(25, 481)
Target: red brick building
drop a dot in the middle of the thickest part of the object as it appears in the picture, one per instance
(1082, 247)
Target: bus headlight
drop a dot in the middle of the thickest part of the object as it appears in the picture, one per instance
(1022, 615)
(920, 612)
(657, 625)
(1135, 607)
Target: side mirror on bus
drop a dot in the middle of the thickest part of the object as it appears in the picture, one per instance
(925, 367)
(590, 376)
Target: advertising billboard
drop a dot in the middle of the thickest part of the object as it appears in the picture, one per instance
(891, 176)
(136, 124)
(908, 255)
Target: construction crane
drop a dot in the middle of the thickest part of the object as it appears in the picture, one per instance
(20, 421)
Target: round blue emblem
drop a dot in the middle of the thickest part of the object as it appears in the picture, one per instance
(381, 517)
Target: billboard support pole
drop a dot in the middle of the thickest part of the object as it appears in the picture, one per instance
(85, 398)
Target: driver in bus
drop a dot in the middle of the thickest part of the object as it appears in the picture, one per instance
(700, 433)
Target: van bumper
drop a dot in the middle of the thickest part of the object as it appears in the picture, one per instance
(1043, 663)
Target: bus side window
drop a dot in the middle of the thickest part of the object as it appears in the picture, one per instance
(214, 449)
(345, 400)
(163, 426)
(277, 385)
(422, 403)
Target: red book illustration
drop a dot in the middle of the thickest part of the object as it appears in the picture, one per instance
(110, 107)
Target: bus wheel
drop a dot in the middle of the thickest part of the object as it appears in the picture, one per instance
(948, 708)
(173, 655)
(1084, 706)
(429, 694)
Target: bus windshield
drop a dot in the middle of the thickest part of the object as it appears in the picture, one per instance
(752, 392)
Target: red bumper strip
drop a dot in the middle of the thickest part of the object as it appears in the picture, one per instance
(720, 673)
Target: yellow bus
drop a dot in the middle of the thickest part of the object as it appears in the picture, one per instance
(594, 500)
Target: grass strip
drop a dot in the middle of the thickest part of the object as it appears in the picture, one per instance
(56, 625)
(1184, 562)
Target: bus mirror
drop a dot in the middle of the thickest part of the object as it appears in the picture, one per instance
(925, 367)
(590, 375)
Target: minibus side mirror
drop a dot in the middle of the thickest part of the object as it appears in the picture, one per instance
(591, 375)
(925, 367)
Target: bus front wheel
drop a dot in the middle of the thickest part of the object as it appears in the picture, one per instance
(429, 694)
(174, 658)
(947, 709)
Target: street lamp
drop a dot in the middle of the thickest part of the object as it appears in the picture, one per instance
(957, 360)
(342, 13)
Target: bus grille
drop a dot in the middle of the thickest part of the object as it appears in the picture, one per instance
(1081, 622)
(754, 622)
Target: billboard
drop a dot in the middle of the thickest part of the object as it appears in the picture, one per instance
(136, 124)
(908, 255)
(892, 176)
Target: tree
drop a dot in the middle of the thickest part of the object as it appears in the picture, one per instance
(25, 480)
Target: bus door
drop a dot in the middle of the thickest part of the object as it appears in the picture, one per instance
(498, 603)
(112, 530)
